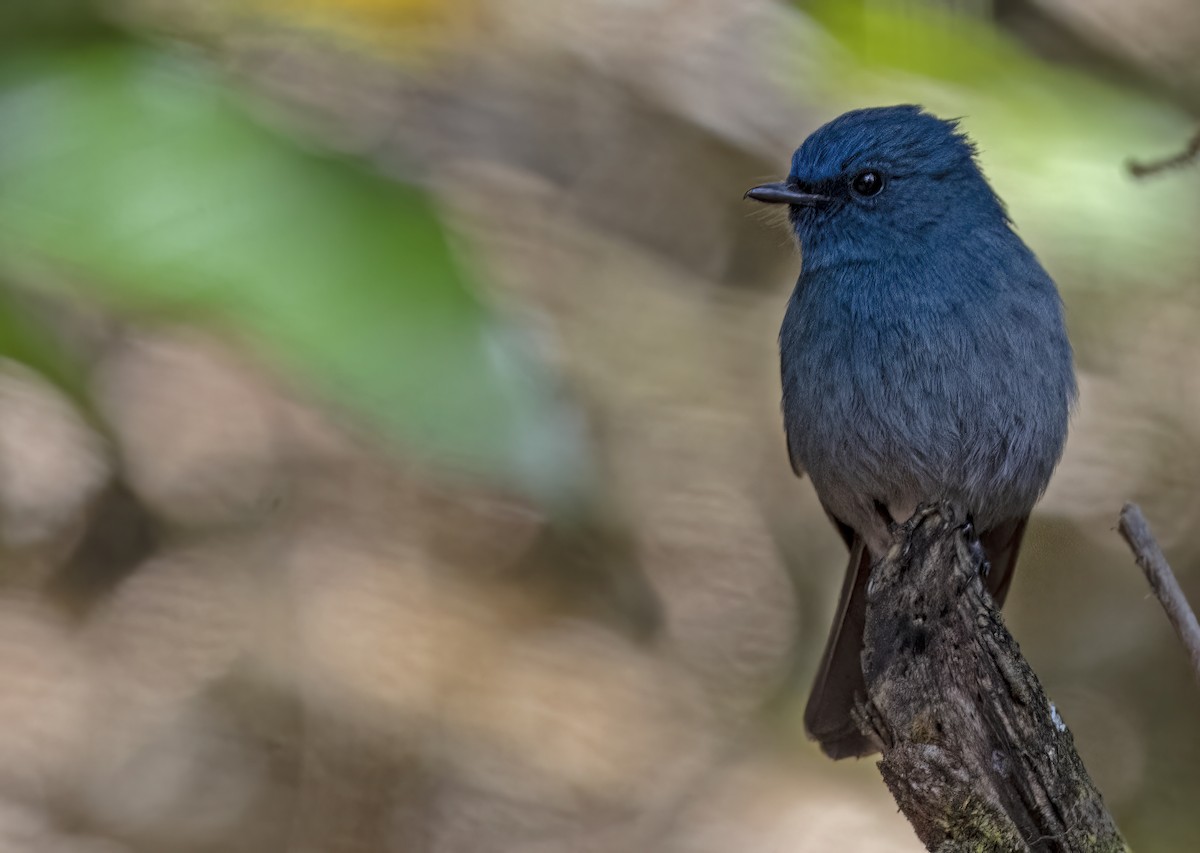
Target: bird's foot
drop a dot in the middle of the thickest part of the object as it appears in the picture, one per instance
(975, 548)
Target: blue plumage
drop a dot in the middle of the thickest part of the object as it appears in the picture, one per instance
(923, 353)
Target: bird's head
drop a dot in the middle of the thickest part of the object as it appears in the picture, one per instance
(883, 181)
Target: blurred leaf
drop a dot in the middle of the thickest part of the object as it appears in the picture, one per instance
(138, 175)
(24, 20)
(894, 35)
(24, 340)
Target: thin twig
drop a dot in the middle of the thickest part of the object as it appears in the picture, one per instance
(1184, 157)
(1149, 556)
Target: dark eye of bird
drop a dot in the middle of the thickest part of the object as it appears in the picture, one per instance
(867, 183)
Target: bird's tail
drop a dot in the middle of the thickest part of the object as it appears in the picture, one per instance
(839, 684)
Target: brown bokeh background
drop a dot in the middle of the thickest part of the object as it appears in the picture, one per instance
(237, 617)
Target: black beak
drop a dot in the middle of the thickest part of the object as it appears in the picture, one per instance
(784, 193)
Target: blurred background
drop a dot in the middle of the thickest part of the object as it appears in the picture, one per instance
(390, 456)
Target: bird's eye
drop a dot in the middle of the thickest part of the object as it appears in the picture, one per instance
(867, 183)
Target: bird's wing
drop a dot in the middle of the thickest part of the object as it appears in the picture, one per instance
(1002, 544)
(797, 468)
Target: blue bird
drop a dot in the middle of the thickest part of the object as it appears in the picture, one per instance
(924, 357)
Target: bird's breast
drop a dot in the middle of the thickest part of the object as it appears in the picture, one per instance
(895, 395)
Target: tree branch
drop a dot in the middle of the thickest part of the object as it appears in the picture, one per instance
(974, 753)
(1140, 170)
(1136, 531)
